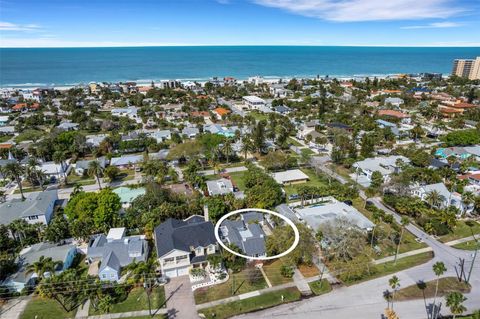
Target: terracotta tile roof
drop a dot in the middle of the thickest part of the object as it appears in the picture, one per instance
(19, 106)
(450, 110)
(393, 113)
(221, 111)
(6, 145)
(200, 114)
(463, 105)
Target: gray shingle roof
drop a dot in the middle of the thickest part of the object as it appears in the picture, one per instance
(126, 249)
(182, 235)
(35, 204)
(250, 238)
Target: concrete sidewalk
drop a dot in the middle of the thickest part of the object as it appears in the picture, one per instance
(244, 296)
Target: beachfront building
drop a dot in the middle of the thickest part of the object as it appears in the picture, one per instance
(467, 68)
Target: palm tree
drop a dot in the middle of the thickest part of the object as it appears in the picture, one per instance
(59, 157)
(434, 198)
(247, 146)
(468, 199)
(404, 222)
(15, 171)
(105, 304)
(31, 171)
(95, 169)
(394, 283)
(227, 149)
(376, 220)
(438, 268)
(455, 303)
(42, 265)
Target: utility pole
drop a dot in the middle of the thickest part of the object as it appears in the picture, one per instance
(148, 291)
(473, 261)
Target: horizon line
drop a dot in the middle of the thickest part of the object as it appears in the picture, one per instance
(470, 45)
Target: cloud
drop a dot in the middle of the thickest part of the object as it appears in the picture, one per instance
(7, 26)
(435, 25)
(366, 10)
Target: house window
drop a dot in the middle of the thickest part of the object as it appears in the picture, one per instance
(33, 217)
(199, 251)
(168, 260)
(181, 258)
(211, 249)
(104, 276)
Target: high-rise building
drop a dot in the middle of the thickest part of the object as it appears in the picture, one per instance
(467, 68)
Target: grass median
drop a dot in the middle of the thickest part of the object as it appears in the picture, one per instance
(263, 301)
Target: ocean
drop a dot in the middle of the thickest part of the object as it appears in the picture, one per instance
(70, 66)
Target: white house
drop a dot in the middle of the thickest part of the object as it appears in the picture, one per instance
(447, 198)
(254, 102)
(36, 208)
(184, 244)
(293, 176)
(386, 165)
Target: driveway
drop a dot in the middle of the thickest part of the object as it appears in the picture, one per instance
(180, 301)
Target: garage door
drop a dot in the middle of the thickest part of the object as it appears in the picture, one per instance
(183, 271)
(171, 273)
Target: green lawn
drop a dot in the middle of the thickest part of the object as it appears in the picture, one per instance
(4, 138)
(320, 287)
(461, 230)
(238, 180)
(41, 308)
(126, 175)
(263, 301)
(468, 245)
(137, 300)
(307, 151)
(258, 116)
(149, 317)
(293, 142)
(388, 248)
(273, 273)
(80, 180)
(445, 285)
(237, 284)
(314, 180)
(390, 268)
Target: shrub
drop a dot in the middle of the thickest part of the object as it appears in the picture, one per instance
(287, 271)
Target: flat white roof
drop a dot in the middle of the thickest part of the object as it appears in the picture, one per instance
(253, 99)
(289, 176)
(116, 233)
(316, 215)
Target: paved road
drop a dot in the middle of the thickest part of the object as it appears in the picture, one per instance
(225, 170)
(366, 300)
(64, 193)
(180, 301)
(14, 308)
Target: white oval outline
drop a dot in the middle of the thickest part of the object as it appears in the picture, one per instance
(288, 221)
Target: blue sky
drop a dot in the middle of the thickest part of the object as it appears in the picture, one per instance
(67, 23)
